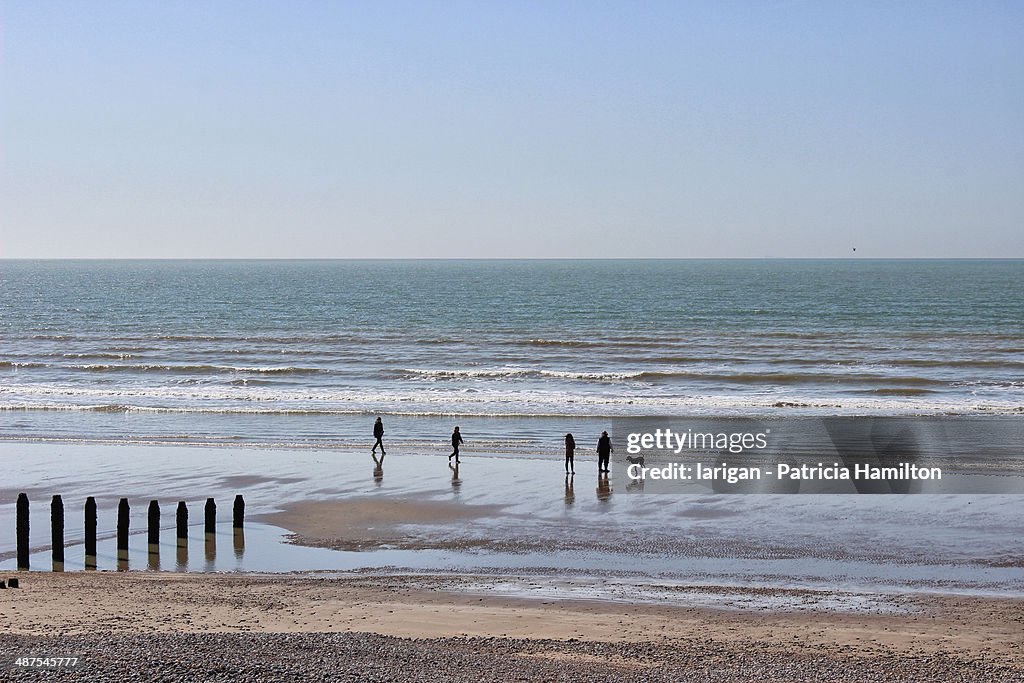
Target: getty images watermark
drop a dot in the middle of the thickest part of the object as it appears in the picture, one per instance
(739, 442)
(820, 455)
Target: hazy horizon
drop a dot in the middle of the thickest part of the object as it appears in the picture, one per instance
(510, 258)
(458, 130)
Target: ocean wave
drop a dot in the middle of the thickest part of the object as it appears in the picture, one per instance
(197, 369)
(519, 372)
(568, 343)
(251, 382)
(899, 391)
(791, 378)
(786, 334)
(991, 384)
(752, 378)
(263, 401)
(149, 340)
(689, 342)
(954, 363)
(284, 340)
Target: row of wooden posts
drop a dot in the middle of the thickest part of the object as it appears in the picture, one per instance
(123, 509)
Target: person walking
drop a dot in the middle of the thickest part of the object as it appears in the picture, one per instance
(604, 450)
(456, 442)
(378, 433)
(570, 449)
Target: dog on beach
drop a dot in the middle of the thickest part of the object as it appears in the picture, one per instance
(638, 460)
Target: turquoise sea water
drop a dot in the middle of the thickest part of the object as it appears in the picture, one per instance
(306, 352)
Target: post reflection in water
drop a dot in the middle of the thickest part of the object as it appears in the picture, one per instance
(153, 554)
(146, 548)
(209, 552)
(238, 542)
(210, 547)
(182, 554)
(570, 495)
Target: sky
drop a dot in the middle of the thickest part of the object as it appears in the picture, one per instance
(511, 129)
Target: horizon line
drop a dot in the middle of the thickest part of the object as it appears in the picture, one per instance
(511, 258)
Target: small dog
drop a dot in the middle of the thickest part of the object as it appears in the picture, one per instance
(638, 460)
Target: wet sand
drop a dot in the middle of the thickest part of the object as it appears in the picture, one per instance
(521, 512)
(359, 522)
(928, 638)
(715, 540)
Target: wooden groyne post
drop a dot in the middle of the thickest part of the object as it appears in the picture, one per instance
(237, 524)
(123, 511)
(22, 530)
(210, 527)
(90, 533)
(57, 527)
(210, 516)
(181, 520)
(153, 535)
(57, 532)
(154, 527)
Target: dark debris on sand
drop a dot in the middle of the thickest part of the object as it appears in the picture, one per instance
(371, 657)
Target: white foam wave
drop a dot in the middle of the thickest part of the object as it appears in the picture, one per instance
(197, 369)
(513, 371)
(440, 401)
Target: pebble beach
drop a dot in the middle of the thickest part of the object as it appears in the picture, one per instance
(172, 627)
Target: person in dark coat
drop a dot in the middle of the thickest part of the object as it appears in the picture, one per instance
(604, 450)
(570, 449)
(378, 433)
(456, 441)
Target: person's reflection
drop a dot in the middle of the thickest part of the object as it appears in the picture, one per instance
(378, 468)
(570, 495)
(604, 487)
(456, 482)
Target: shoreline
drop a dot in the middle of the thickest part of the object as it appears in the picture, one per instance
(520, 435)
(516, 435)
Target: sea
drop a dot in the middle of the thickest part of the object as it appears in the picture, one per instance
(306, 353)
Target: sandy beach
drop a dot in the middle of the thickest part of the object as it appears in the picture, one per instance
(454, 628)
(505, 570)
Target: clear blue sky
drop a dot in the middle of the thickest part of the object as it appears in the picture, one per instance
(511, 129)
